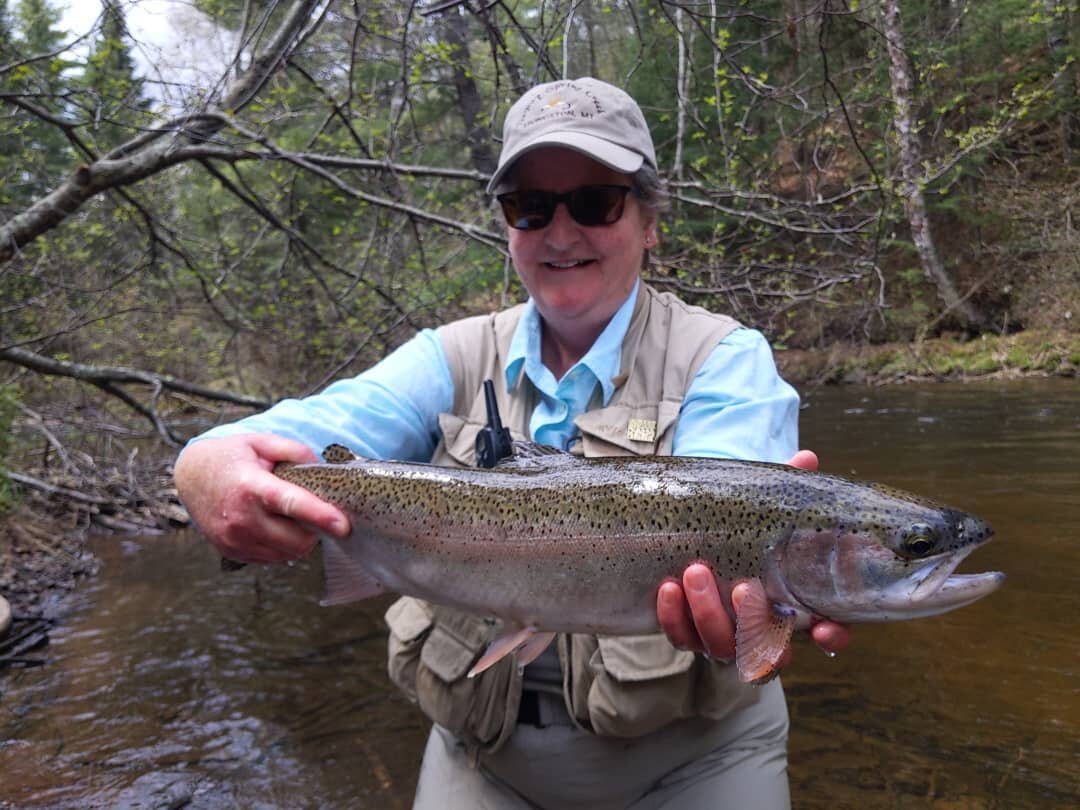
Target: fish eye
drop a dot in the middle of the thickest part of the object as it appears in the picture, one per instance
(919, 540)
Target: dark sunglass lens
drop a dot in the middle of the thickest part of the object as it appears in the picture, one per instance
(527, 210)
(597, 205)
(588, 205)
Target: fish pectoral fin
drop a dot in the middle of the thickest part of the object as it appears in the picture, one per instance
(529, 640)
(347, 580)
(761, 634)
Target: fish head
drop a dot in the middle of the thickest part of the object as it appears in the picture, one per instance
(893, 565)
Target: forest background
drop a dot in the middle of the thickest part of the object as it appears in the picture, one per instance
(884, 188)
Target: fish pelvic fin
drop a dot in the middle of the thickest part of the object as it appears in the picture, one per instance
(528, 642)
(761, 635)
(531, 649)
(347, 580)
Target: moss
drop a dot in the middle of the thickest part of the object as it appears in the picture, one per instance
(986, 365)
(882, 359)
(1033, 352)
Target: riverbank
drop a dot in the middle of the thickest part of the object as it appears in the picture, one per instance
(41, 561)
(42, 550)
(1033, 353)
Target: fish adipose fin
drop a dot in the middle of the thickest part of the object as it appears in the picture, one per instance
(346, 578)
(528, 642)
(761, 634)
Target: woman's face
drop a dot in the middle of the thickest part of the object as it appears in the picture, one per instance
(577, 275)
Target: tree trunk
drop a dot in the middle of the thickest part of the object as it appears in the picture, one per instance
(681, 93)
(469, 99)
(1057, 42)
(914, 199)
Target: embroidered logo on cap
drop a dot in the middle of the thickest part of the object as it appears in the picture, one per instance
(563, 100)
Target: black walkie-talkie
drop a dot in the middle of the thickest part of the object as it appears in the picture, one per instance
(492, 442)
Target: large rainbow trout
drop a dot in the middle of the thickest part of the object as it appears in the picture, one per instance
(551, 543)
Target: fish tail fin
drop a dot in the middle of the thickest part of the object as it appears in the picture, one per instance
(761, 634)
(347, 580)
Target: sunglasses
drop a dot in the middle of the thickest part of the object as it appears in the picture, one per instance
(588, 205)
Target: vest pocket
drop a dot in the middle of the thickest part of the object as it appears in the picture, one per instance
(634, 685)
(629, 659)
(628, 686)
(409, 621)
(629, 430)
(430, 660)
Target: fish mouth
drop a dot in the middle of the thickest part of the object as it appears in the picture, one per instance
(934, 588)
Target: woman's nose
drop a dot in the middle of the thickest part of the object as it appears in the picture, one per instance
(562, 228)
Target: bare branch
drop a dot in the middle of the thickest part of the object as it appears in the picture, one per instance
(153, 152)
(120, 375)
(53, 489)
(470, 230)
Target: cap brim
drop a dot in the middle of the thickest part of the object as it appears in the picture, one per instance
(611, 155)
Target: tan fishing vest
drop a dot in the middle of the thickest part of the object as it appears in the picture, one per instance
(614, 686)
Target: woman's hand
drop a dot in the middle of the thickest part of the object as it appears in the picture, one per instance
(693, 616)
(246, 511)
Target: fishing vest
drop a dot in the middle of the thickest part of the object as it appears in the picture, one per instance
(624, 686)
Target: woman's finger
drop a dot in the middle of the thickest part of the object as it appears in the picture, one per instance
(714, 625)
(280, 497)
(673, 614)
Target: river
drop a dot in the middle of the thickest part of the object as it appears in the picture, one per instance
(170, 684)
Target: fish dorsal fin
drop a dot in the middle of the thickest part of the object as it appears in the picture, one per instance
(338, 454)
(761, 634)
(533, 457)
(526, 449)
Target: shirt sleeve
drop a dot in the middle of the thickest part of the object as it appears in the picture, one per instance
(389, 411)
(738, 406)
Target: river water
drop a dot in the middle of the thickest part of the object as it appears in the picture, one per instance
(171, 684)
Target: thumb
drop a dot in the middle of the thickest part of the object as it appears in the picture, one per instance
(271, 448)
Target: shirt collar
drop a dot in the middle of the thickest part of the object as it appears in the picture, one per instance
(603, 359)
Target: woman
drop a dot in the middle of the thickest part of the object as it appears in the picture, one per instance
(596, 363)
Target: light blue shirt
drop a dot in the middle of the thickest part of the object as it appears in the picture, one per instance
(737, 405)
(564, 400)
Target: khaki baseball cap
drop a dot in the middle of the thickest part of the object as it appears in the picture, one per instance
(586, 115)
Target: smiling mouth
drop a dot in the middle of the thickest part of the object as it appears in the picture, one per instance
(570, 265)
